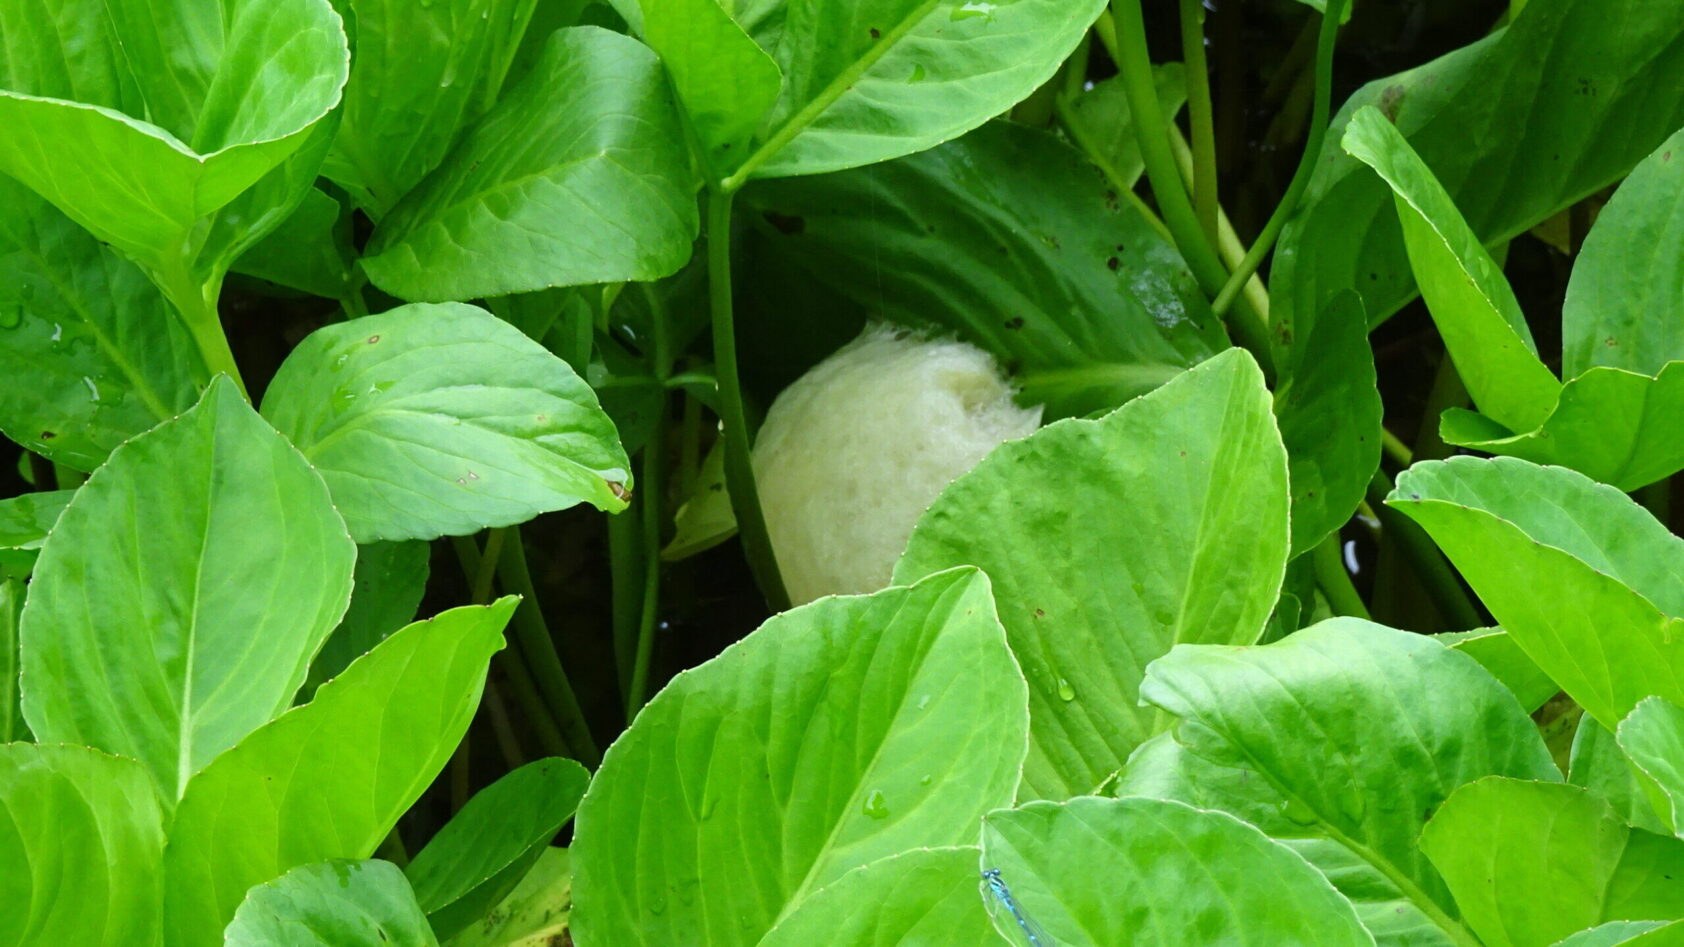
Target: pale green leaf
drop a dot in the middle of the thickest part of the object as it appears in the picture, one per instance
(11, 711)
(1631, 933)
(486, 847)
(1099, 120)
(434, 420)
(1469, 298)
(308, 251)
(1496, 651)
(1606, 632)
(801, 753)
(579, 175)
(26, 519)
(1339, 740)
(1597, 763)
(386, 590)
(338, 903)
(92, 353)
(1149, 871)
(1091, 589)
(927, 896)
(80, 841)
(1652, 736)
(328, 779)
(177, 603)
(534, 913)
(1531, 862)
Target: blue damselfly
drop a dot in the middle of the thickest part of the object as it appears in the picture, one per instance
(1002, 895)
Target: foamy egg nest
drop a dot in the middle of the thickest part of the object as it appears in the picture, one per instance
(855, 450)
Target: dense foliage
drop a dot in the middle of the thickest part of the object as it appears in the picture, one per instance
(1316, 613)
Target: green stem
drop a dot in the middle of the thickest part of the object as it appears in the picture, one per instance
(1253, 303)
(1306, 163)
(502, 728)
(739, 468)
(532, 635)
(1328, 562)
(625, 569)
(1152, 129)
(196, 304)
(1201, 114)
(1395, 448)
(1447, 392)
(481, 592)
(651, 605)
(1428, 563)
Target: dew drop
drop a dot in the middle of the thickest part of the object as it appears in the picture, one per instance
(972, 9)
(923, 701)
(918, 73)
(925, 780)
(1066, 690)
(339, 362)
(93, 389)
(58, 331)
(875, 806)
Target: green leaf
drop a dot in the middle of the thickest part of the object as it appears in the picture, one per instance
(1120, 871)
(1530, 863)
(174, 111)
(1597, 763)
(421, 74)
(1611, 424)
(1496, 651)
(578, 175)
(338, 903)
(1607, 631)
(92, 352)
(1469, 298)
(11, 711)
(484, 850)
(1632, 933)
(26, 519)
(1652, 736)
(307, 251)
(725, 81)
(1629, 271)
(534, 913)
(1339, 740)
(386, 590)
(1006, 236)
(926, 896)
(1204, 474)
(328, 779)
(800, 753)
(177, 603)
(80, 839)
(434, 420)
(1099, 120)
(866, 82)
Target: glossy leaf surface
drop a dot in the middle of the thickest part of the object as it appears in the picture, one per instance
(923, 896)
(340, 903)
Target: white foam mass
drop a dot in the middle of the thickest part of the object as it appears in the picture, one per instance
(855, 450)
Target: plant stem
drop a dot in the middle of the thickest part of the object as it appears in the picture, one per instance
(625, 570)
(739, 468)
(196, 304)
(1201, 113)
(502, 727)
(1254, 301)
(1430, 566)
(481, 593)
(638, 687)
(1306, 163)
(1328, 562)
(1395, 448)
(1152, 130)
(532, 635)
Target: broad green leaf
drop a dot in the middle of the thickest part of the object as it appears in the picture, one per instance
(1631, 933)
(338, 903)
(1597, 763)
(1630, 273)
(1006, 236)
(1512, 136)
(26, 519)
(422, 72)
(533, 914)
(1100, 121)
(173, 110)
(800, 753)
(724, 80)
(1496, 651)
(91, 351)
(866, 82)
(578, 175)
(11, 711)
(80, 841)
(1476, 311)
(926, 896)
(308, 251)
(1531, 862)
(433, 420)
(386, 590)
(328, 779)
(1606, 632)
(1195, 554)
(484, 850)
(1339, 740)
(1149, 871)
(177, 603)
(1613, 425)
(1653, 738)
(1326, 390)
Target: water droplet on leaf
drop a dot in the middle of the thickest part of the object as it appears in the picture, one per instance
(875, 806)
(1066, 691)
